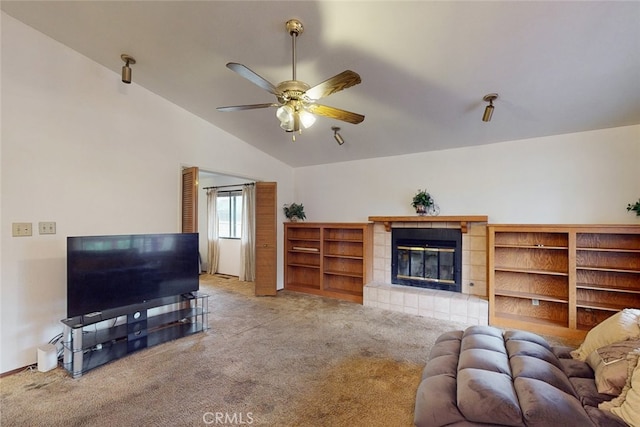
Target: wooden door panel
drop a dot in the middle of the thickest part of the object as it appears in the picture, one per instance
(266, 238)
(190, 200)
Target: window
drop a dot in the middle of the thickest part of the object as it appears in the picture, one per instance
(229, 205)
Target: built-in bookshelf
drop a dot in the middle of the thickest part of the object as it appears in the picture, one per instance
(561, 279)
(329, 259)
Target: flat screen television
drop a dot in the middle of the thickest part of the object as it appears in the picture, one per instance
(105, 272)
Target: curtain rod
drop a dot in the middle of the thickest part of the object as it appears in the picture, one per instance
(231, 185)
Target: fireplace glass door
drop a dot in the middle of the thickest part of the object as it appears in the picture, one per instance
(429, 264)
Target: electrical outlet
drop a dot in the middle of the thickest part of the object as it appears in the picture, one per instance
(47, 227)
(21, 229)
(535, 302)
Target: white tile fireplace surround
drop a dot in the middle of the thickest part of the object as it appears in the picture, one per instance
(469, 306)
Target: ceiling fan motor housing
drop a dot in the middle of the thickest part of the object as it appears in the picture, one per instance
(291, 90)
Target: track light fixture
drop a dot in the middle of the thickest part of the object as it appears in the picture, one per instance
(126, 70)
(336, 135)
(488, 112)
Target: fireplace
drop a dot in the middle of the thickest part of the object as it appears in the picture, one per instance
(427, 258)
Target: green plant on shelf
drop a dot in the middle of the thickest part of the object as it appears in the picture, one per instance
(635, 207)
(422, 198)
(294, 212)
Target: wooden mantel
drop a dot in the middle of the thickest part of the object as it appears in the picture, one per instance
(463, 220)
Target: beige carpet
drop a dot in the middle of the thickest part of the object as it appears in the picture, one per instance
(290, 360)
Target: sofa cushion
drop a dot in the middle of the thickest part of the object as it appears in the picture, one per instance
(587, 392)
(484, 330)
(526, 336)
(528, 348)
(450, 336)
(621, 326)
(576, 368)
(604, 418)
(562, 351)
(487, 360)
(483, 341)
(441, 365)
(445, 347)
(436, 402)
(530, 367)
(544, 405)
(487, 397)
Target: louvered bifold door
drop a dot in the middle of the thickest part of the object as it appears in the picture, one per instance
(190, 200)
(266, 238)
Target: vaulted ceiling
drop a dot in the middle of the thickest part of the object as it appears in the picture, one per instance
(558, 67)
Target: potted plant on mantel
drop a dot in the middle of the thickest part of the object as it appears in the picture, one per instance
(422, 201)
(635, 207)
(294, 212)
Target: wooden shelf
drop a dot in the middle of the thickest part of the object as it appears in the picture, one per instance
(611, 270)
(341, 263)
(631, 251)
(532, 247)
(529, 319)
(342, 256)
(590, 286)
(579, 275)
(342, 273)
(293, 264)
(600, 306)
(532, 271)
(531, 296)
(463, 220)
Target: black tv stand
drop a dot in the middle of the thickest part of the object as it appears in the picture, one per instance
(97, 338)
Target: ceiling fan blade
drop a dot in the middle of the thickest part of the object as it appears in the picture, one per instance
(339, 82)
(246, 107)
(252, 77)
(335, 113)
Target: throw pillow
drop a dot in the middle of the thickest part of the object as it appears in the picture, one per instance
(621, 326)
(610, 365)
(632, 359)
(629, 411)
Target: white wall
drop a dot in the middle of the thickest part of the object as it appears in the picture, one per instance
(97, 157)
(587, 177)
(229, 262)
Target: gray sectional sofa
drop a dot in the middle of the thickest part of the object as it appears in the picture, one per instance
(485, 376)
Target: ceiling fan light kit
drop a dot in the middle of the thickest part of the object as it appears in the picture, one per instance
(488, 111)
(297, 104)
(126, 70)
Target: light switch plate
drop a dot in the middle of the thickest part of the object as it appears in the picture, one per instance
(47, 227)
(21, 229)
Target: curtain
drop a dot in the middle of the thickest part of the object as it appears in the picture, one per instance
(247, 249)
(213, 245)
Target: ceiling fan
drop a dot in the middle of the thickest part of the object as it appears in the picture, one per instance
(296, 99)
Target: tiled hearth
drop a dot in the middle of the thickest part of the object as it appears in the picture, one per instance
(470, 306)
(443, 305)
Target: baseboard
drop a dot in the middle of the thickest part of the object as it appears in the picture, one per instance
(18, 370)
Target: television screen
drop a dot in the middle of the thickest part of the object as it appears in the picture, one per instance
(105, 272)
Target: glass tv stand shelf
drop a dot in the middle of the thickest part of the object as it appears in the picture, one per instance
(94, 339)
